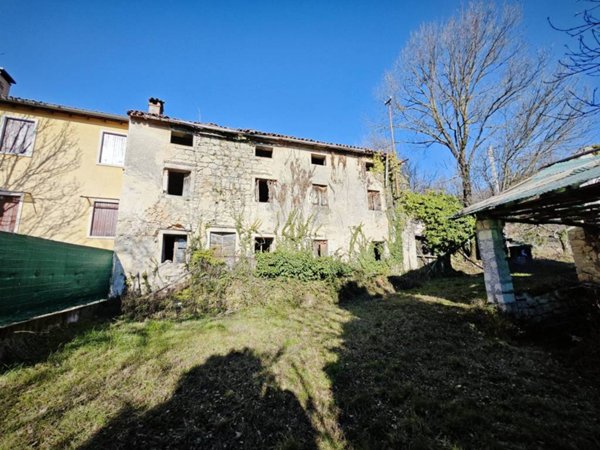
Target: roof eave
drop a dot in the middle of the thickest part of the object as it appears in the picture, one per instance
(249, 134)
(63, 109)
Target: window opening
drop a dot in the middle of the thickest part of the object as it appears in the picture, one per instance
(177, 182)
(320, 247)
(264, 190)
(374, 200)
(319, 195)
(318, 160)
(262, 244)
(17, 136)
(112, 149)
(378, 250)
(104, 219)
(9, 208)
(263, 152)
(174, 248)
(182, 138)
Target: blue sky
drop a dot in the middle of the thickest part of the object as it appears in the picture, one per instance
(305, 68)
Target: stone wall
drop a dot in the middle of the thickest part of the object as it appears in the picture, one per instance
(586, 253)
(221, 197)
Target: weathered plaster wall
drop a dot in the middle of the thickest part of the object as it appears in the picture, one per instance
(586, 253)
(221, 196)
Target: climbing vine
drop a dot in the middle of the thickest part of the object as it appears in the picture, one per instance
(435, 209)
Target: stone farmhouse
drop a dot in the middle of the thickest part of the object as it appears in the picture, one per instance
(152, 187)
(238, 192)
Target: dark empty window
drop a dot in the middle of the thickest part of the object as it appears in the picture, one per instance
(374, 200)
(182, 138)
(369, 166)
(378, 250)
(264, 152)
(318, 160)
(177, 182)
(264, 190)
(174, 248)
(262, 244)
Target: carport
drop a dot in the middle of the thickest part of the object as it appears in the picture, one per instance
(566, 192)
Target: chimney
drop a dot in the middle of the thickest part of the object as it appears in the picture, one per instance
(5, 82)
(156, 106)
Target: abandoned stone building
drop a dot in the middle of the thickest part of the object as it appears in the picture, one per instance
(238, 192)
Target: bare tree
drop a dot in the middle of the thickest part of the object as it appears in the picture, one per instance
(585, 57)
(470, 83)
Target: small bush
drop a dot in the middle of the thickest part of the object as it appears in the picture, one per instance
(300, 265)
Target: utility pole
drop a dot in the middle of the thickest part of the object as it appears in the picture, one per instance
(492, 161)
(388, 103)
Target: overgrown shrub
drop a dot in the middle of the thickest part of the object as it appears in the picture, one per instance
(361, 252)
(300, 265)
(435, 209)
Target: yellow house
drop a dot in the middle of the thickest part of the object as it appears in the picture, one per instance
(61, 170)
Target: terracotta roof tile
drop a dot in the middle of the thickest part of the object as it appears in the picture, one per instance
(248, 132)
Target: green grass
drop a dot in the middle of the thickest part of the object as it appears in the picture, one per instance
(429, 368)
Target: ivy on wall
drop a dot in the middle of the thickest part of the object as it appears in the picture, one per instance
(435, 209)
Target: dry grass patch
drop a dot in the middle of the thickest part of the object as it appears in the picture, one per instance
(429, 368)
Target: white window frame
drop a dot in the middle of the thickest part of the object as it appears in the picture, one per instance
(99, 155)
(93, 200)
(21, 196)
(3, 120)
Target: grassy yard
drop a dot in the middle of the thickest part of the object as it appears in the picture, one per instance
(427, 368)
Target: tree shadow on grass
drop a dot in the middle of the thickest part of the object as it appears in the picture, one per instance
(534, 278)
(230, 401)
(420, 373)
(24, 348)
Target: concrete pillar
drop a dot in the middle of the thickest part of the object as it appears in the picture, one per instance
(498, 281)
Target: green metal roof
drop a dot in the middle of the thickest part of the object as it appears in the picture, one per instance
(567, 191)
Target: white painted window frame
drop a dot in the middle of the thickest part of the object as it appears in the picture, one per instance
(99, 152)
(3, 120)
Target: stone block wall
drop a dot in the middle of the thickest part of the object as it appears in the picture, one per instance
(585, 244)
(221, 197)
